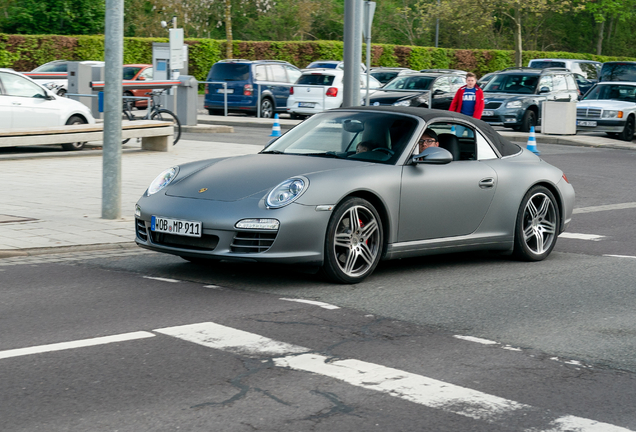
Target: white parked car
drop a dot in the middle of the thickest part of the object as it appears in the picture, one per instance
(25, 104)
(609, 107)
(318, 90)
(57, 84)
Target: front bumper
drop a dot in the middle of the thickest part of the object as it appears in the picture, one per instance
(615, 126)
(503, 116)
(299, 239)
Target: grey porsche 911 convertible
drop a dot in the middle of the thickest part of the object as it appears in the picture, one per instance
(349, 187)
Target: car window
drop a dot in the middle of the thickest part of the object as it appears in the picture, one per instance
(484, 150)
(130, 72)
(457, 82)
(15, 85)
(410, 83)
(546, 82)
(443, 84)
(292, 74)
(260, 73)
(618, 72)
(316, 79)
(229, 72)
(336, 134)
(512, 83)
(570, 80)
(57, 67)
(612, 92)
(589, 69)
(278, 73)
(558, 83)
(539, 64)
(147, 74)
(384, 77)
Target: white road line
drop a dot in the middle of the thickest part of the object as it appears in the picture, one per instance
(75, 344)
(577, 236)
(604, 208)
(162, 279)
(408, 386)
(621, 256)
(476, 339)
(312, 302)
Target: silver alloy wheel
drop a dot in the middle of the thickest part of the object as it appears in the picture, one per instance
(357, 241)
(267, 108)
(539, 223)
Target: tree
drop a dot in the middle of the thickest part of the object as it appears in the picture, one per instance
(62, 17)
(615, 10)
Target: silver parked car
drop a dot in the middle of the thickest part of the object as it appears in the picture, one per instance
(608, 107)
(311, 197)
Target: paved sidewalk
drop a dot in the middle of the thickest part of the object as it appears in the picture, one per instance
(53, 200)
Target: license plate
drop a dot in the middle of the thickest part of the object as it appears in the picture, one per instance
(586, 123)
(175, 226)
(306, 105)
(228, 91)
(488, 113)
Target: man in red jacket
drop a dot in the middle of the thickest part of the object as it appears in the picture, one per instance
(469, 99)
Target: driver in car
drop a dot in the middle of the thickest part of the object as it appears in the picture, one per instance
(428, 139)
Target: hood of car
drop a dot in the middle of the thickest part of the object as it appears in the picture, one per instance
(499, 97)
(606, 104)
(241, 177)
(390, 97)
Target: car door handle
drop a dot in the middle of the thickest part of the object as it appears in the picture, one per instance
(486, 183)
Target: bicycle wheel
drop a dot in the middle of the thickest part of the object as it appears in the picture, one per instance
(166, 115)
(126, 115)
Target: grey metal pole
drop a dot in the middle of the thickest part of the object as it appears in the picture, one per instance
(437, 29)
(113, 55)
(352, 53)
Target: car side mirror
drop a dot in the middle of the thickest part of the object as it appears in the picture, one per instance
(544, 90)
(438, 92)
(433, 156)
(142, 78)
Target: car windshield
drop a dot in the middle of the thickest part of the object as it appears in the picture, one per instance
(367, 136)
(323, 65)
(229, 72)
(618, 72)
(316, 79)
(547, 64)
(612, 92)
(384, 77)
(512, 83)
(55, 67)
(410, 83)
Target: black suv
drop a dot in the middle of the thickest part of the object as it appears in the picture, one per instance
(416, 89)
(243, 79)
(513, 97)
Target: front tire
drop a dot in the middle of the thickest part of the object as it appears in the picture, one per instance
(74, 120)
(529, 119)
(166, 115)
(628, 130)
(538, 224)
(354, 242)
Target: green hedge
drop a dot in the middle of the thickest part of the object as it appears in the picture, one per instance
(25, 52)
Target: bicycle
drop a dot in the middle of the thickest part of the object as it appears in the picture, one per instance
(154, 112)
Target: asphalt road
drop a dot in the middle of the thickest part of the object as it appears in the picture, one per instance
(517, 346)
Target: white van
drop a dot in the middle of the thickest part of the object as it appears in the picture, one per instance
(588, 68)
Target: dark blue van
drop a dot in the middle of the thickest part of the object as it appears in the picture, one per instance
(243, 78)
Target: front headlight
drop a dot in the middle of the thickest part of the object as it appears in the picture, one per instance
(403, 103)
(612, 114)
(162, 180)
(513, 104)
(287, 192)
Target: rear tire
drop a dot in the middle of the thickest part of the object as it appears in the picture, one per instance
(166, 115)
(74, 120)
(267, 108)
(354, 242)
(538, 224)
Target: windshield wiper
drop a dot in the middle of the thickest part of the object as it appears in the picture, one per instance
(273, 151)
(330, 154)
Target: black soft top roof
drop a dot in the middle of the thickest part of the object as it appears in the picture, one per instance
(505, 147)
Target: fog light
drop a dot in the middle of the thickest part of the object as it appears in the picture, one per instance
(264, 224)
(510, 120)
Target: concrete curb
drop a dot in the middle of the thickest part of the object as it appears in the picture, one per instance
(10, 253)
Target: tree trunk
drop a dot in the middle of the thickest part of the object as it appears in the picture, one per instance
(518, 43)
(229, 52)
(599, 41)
